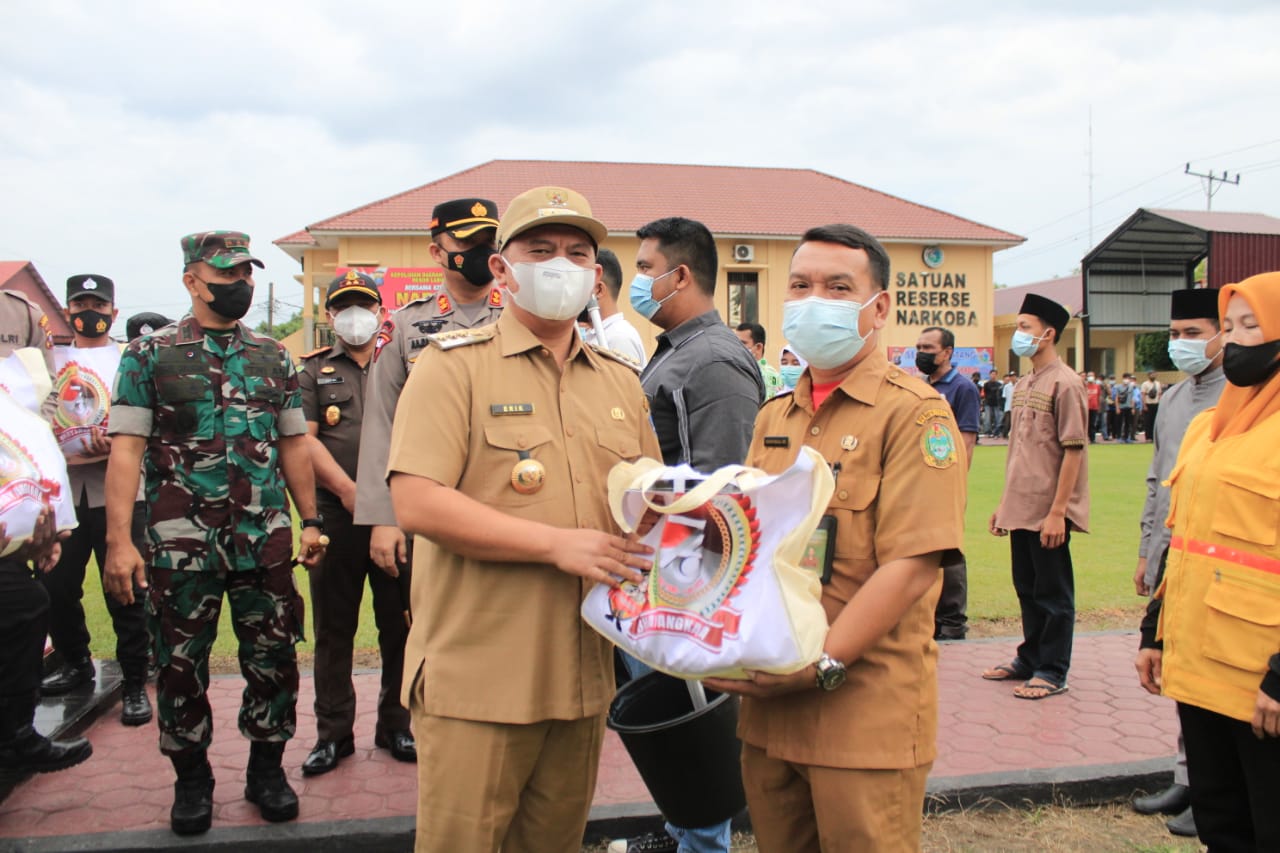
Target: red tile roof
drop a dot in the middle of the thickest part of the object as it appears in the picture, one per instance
(297, 238)
(730, 200)
(1067, 290)
(1224, 222)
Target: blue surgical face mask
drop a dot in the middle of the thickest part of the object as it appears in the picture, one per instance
(790, 374)
(641, 294)
(1188, 355)
(824, 332)
(1025, 344)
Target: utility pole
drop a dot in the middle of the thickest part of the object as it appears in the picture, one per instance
(271, 306)
(1209, 179)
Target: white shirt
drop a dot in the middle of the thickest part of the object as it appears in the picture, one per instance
(621, 336)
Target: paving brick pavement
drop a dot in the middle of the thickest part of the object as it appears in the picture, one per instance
(1105, 727)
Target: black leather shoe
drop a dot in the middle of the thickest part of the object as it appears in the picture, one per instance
(31, 752)
(135, 706)
(1172, 800)
(67, 677)
(324, 757)
(399, 743)
(192, 811)
(1183, 824)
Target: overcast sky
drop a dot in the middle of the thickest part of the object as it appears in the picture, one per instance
(125, 125)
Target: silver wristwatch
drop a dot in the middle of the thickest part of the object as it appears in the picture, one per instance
(829, 672)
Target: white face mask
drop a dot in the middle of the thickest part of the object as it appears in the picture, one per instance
(557, 289)
(355, 325)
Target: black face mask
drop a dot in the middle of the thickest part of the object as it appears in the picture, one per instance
(231, 300)
(473, 264)
(1245, 366)
(91, 324)
(926, 362)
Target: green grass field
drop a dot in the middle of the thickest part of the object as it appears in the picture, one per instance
(1104, 559)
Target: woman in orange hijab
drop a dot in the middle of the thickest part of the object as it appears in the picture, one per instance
(1216, 645)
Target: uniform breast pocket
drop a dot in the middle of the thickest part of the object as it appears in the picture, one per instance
(617, 445)
(519, 463)
(851, 504)
(334, 402)
(182, 400)
(1248, 505)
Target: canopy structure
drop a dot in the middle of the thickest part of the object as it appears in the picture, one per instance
(1129, 275)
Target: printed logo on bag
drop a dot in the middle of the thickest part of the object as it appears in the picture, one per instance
(704, 558)
(82, 390)
(20, 478)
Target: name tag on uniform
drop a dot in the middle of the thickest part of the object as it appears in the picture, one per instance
(330, 380)
(777, 441)
(497, 409)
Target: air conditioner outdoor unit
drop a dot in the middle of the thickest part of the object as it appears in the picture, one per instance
(744, 253)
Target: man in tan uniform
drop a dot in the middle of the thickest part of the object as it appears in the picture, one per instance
(835, 756)
(502, 444)
(461, 242)
(23, 324)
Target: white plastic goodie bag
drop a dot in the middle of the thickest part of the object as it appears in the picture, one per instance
(726, 592)
(32, 472)
(83, 382)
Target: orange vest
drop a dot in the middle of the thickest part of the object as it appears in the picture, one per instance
(1220, 618)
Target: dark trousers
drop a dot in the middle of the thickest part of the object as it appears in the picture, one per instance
(1113, 425)
(1235, 782)
(65, 583)
(1095, 419)
(337, 586)
(949, 619)
(1045, 584)
(24, 619)
(1126, 424)
(1149, 421)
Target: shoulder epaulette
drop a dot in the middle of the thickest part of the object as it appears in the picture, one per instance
(919, 387)
(20, 296)
(461, 337)
(620, 357)
(316, 352)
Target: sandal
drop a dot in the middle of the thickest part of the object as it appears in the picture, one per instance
(1041, 689)
(1005, 672)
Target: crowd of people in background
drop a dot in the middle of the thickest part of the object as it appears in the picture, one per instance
(211, 425)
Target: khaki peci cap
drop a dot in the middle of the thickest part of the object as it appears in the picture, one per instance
(549, 206)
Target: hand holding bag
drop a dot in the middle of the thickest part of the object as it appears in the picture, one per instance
(726, 592)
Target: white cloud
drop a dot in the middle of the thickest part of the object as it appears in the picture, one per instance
(124, 126)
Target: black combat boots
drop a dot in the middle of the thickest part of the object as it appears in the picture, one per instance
(192, 810)
(25, 750)
(135, 707)
(265, 785)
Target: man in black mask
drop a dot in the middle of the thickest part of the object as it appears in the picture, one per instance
(90, 311)
(462, 240)
(935, 348)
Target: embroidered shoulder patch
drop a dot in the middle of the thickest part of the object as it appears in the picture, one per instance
(938, 445)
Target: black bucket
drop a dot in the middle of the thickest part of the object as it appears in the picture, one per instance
(689, 760)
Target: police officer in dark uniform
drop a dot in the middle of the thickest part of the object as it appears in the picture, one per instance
(462, 239)
(333, 387)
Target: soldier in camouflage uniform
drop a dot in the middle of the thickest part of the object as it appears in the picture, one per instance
(462, 239)
(214, 412)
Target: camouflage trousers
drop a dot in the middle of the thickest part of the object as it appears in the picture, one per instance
(266, 615)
